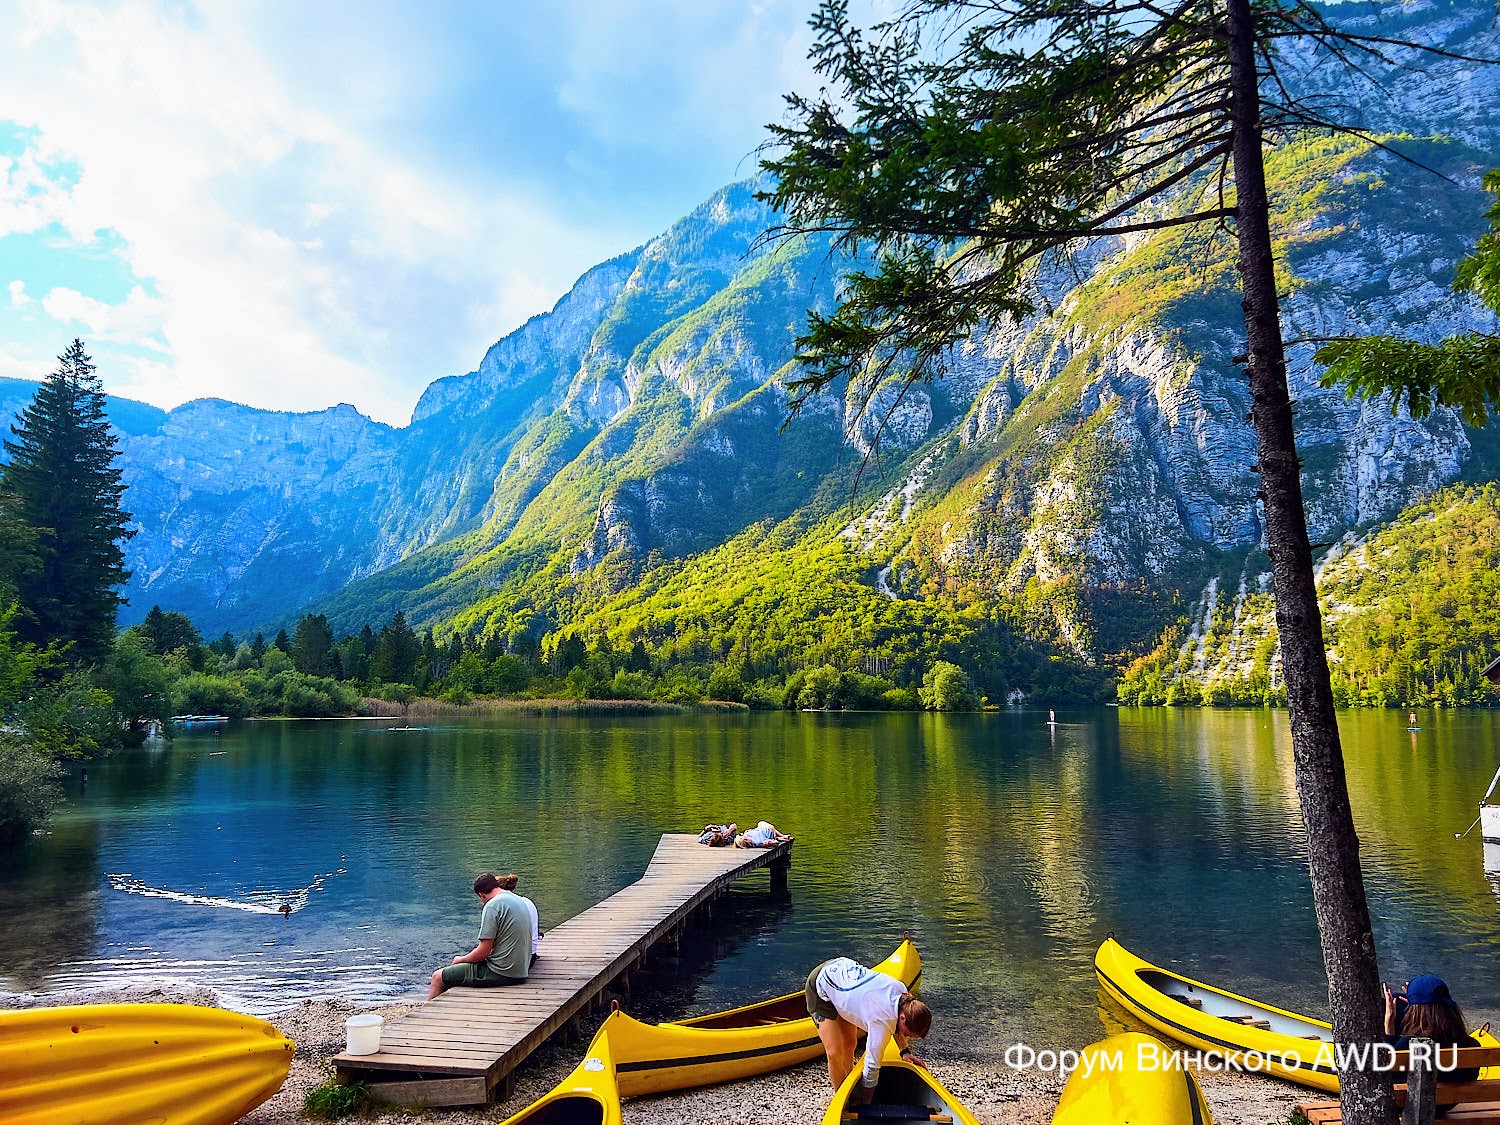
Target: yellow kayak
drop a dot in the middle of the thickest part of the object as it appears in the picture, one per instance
(123, 1064)
(1271, 1040)
(724, 1046)
(1298, 1048)
(588, 1096)
(1122, 1081)
(1485, 1038)
(644, 1058)
(905, 1092)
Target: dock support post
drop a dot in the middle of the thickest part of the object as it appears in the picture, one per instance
(779, 872)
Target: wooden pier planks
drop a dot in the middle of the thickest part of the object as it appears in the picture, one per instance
(459, 1048)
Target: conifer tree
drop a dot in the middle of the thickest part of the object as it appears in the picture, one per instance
(312, 645)
(397, 650)
(62, 485)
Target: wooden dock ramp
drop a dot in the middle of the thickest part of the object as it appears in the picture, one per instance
(461, 1048)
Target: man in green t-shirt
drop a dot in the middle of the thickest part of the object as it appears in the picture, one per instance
(503, 953)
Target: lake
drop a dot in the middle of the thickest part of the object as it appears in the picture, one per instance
(1007, 847)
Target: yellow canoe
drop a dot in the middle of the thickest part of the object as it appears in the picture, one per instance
(905, 1093)
(123, 1064)
(587, 1096)
(1485, 1038)
(756, 1039)
(1121, 1081)
(1265, 1038)
(644, 1058)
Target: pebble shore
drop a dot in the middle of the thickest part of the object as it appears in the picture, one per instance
(993, 1092)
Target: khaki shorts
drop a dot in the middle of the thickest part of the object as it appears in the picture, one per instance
(470, 975)
(817, 1007)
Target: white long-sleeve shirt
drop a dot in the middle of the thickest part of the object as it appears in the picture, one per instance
(867, 999)
(536, 934)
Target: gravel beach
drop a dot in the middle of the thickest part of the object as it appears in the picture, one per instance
(993, 1092)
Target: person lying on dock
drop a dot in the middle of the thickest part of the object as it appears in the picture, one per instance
(508, 884)
(502, 954)
(718, 835)
(845, 998)
(763, 835)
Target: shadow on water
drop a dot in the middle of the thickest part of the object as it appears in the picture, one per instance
(677, 984)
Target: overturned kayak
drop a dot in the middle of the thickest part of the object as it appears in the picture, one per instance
(738, 1043)
(905, 1092)
(122, 1064)
(587, 1096)
(1121, 1081)
(1254, 1035)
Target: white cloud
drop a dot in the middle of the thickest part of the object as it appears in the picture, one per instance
(134, 321)
(18, 367)
(18, 297)
(299, 242)
(30, 198)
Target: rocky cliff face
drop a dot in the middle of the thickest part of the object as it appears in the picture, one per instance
(1102, 443)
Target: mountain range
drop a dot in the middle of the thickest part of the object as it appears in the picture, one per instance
(1089, 467)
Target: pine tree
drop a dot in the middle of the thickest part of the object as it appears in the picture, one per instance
(63, 486)
(397, 651)
(312, 645)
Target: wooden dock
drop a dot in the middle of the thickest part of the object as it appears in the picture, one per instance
(461, 1048)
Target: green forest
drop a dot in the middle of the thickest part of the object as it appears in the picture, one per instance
(1408, 616)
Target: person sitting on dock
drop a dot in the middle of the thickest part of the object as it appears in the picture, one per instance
(509, 884)
(763, 835)
(845, 998)
(502, 954)
(718, 835)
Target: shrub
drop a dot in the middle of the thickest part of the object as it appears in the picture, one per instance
(29, 788)
(198, 693)
(332, 1100)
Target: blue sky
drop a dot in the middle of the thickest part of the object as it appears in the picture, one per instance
(295, 205)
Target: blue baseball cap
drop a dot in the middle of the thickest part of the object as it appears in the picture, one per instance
(1428, 990)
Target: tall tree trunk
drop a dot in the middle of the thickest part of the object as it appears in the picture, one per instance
(1355, 998)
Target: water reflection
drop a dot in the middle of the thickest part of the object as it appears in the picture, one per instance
(1007, 846)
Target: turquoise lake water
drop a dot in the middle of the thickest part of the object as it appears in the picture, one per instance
(1008, 848)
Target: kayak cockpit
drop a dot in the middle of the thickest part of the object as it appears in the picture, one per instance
(1235, 1009)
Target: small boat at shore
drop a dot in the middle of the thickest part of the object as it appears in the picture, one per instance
(200, 720)
(1120, 1081)
(1489, 815)
(905, 1092)
(720, 1047)
(587, 1096)
(122, 1064)
(1283, 1043)
(724, 1046)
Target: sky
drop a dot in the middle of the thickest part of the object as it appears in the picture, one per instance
(293, 205)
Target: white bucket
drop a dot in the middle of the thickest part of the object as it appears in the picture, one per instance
(362, 1034)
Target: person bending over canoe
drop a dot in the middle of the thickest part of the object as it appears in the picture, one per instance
(763, 835)
(509, 884)
(845, 998)
(503, 952)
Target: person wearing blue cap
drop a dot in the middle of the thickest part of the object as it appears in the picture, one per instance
(1425, 1009)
